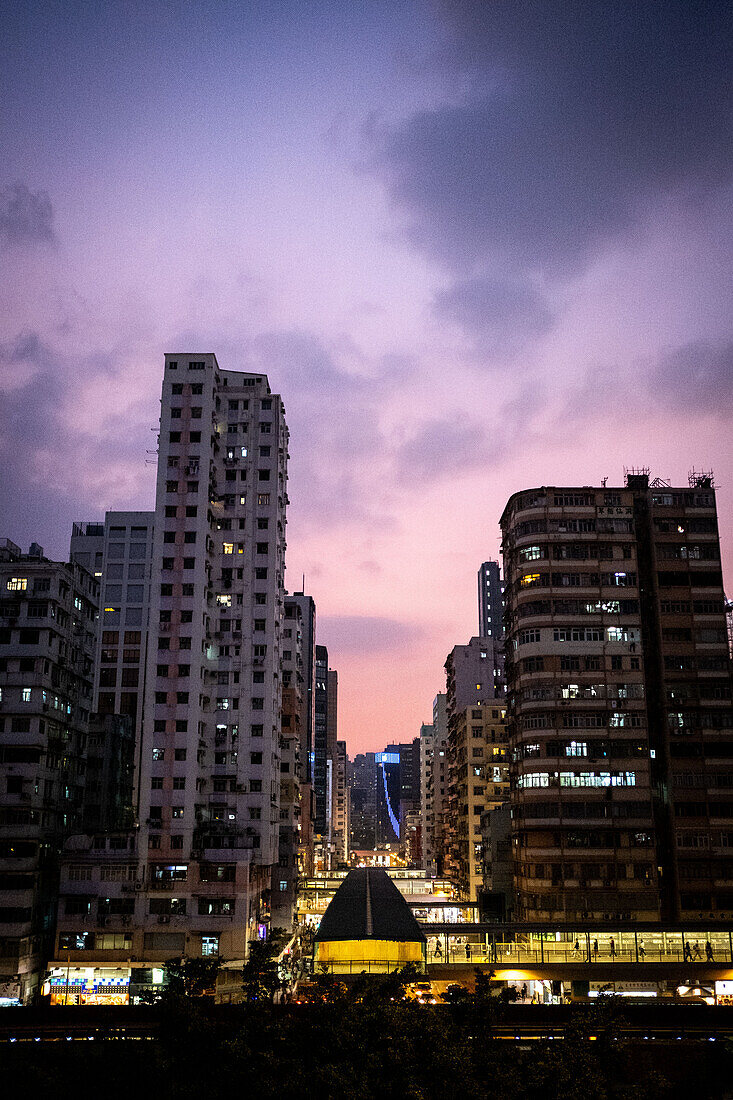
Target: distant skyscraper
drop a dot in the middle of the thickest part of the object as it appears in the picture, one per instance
(490, 601)
(320, 741)
(341, 805)
(388, 797)
(363, 800)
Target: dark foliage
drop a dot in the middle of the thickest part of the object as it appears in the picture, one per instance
(367, 1041)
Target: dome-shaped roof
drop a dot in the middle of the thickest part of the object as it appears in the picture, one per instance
(368, 905)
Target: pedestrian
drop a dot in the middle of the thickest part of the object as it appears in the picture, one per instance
(642, 950)
(524, 992)
(595, 948)
(613, 948)
(468, 951)
(696, 952)
(709, 951)
(438, 953)
(687, 953)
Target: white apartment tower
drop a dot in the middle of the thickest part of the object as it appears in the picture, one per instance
(210, 756)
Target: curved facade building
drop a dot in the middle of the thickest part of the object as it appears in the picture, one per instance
(618, 702)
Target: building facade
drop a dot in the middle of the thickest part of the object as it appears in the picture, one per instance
(478, 781)
(427, 796)
(435, 816)
(320, 744)
(48, 613)
(119, 553)
(285, 875)
(621, 727)
(196, 877)
(490, 601)
(341, 814)
(363, 801)
(307, 669)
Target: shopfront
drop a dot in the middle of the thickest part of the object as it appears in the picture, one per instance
(76, 985)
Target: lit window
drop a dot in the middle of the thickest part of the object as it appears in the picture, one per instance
(530, 578)
(228, 548)
(17, 584)
(576, 748)
(244, 452)
(224, 599)
(26, 695)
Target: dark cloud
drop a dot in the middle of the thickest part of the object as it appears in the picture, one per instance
(692, 380)
(301, 358)
(25, 216)
(333, 417)
(441, 447)
(579, 112)
(695, 378)
(447, 447)
(57, 466)
(500, 315)
(365, 634)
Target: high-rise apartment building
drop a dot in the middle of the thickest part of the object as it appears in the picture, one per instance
(474, 674)
(427, 796)
(307, 627)
(340, 800)
(119, 553)
(320, 742)
(621, 728)
(196, 878)
(325, 733)
(474, 684)
(490, 601)
(48, 614)
(435, 818)
(285, 875)
(332, 689)
(478, 781)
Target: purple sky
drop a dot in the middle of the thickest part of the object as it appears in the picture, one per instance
(476, 247)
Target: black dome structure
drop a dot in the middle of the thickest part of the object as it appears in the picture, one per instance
(368, 926)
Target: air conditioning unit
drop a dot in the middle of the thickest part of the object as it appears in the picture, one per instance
(164, 920)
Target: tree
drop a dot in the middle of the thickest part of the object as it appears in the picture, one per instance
(260, 972)
(186, 978)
